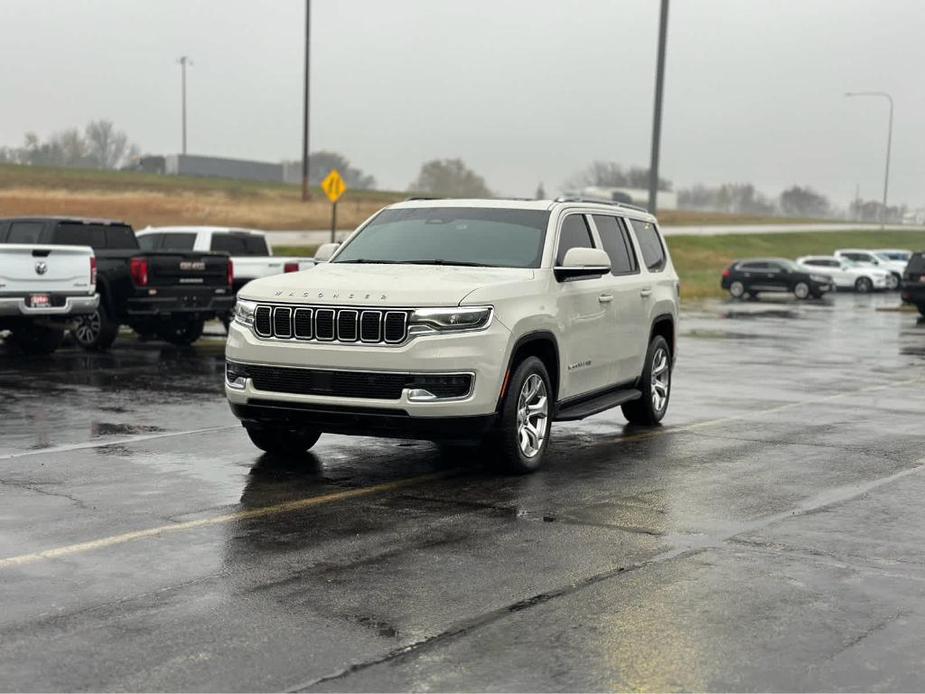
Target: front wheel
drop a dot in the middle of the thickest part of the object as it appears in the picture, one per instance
(892, 281)
(278, 441)
(863, 285)
(522, 436)
(737, 289)
(181, 332)
(655, 384)
(801, 290)
(96, 331)
(37, 339)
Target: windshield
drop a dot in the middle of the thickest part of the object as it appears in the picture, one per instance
(451, 236)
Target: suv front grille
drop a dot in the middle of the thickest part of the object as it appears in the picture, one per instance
(331, 324)
(349, 384)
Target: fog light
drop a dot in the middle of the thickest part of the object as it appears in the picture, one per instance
(235, 375)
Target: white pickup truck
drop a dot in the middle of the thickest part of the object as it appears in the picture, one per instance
(42, 290)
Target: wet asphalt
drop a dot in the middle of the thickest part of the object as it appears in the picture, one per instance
(770, 536)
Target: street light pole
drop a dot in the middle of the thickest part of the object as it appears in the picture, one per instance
(306, 193)
(889, 146)
(657, 116)
(184, 61)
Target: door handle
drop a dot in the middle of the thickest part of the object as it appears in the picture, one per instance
(605, 298)
(645, 292)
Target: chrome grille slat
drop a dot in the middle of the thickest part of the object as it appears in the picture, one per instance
(339, 324)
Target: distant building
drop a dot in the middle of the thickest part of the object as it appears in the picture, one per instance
(219, 167)
(667, 200)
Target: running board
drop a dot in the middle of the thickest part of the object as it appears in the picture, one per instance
(599, 403)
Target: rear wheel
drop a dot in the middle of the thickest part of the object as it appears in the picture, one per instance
(181, 332)
(655, 384)
(801, 290)
(892, 281)
(863, 285)
(737, 289)
(37, 339)
(279, 441)
(95, 331)
(522, 436)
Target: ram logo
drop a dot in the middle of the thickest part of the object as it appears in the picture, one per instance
(41, 267)
(192, 265)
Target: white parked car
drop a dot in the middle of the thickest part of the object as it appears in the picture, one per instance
(461, 321)
(870, 258)
(899, 256)
(848, 274)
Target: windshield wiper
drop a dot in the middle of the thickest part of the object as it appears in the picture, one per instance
(440, 261)
(368, 260)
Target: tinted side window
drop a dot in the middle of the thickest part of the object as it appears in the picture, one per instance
(229, 243)
(179, 242)
(257, 245)
(653, 254)
(80, 235)
(24, 232)
(148, 242)
(575, 234)
(916, 263)
(617, 245)
(753, 266)
(120, 237)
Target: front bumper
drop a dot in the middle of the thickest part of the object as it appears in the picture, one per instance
(72, 306)
(484, 354)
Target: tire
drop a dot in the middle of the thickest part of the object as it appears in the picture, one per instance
(655, 384)
(284, 442)
(181, 332)
(521, 438)
(893, 281)
(921, 308)
(737, 289)
(37, 339)
(863, 285)
(801, 290)
(96, 331)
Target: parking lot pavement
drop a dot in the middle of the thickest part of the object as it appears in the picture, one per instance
(769, 536)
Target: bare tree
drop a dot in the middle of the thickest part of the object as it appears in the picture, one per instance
(609, 174)
(450, 178)
(106, 146)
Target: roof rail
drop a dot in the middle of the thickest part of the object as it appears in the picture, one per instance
(600, 201)
(423, 197)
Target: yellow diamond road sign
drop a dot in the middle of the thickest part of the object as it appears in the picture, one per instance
(333, 185)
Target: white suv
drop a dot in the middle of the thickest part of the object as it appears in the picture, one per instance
(461, 321)
(848, 274)
(872, 259)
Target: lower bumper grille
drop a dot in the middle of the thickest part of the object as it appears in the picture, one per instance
(348, 384)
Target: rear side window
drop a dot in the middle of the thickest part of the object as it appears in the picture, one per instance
(753, 266)
(120, 237)
(24, 232)
(80, 235)
(240, 244)
(653, 253)
(575, 234)
(178, 242)
(615, 241)
(916, 263)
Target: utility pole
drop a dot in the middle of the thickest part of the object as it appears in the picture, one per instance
(889, 146)
(306, 193)
(184, 61)
(657, 117)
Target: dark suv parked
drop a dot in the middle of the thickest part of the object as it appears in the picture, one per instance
(913, 286)
(755, 275)
(165, 293)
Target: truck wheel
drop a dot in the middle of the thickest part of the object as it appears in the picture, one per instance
(863, 285)
(655, 384)
(95, 331)
(801, 290)
(278, 441)
(37, 339)
(181, 332)
(522, 436)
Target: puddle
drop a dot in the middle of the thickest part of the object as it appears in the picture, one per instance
(98, 429)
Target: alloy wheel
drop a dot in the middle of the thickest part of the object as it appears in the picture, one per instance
(88, 328)
(661, 379)
(532, 415)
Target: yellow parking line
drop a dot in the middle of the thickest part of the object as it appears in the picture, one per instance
(297, 505)
(309, 502)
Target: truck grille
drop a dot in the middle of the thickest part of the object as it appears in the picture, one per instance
(349, 384)
(334, 324)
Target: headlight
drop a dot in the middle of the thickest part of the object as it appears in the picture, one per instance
(821, 278)
(244, 311)
(450, 319)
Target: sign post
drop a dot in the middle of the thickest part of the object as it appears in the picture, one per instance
(334, 187)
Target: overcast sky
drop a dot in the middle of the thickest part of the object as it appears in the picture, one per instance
(524, 91)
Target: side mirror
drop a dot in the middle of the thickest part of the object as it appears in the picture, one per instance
(325, 251)
(583, 262)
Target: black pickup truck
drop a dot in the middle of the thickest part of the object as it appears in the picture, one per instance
(169, 294)
(913, 286)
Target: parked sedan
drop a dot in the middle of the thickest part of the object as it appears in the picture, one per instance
(755, 275)
(847, 274)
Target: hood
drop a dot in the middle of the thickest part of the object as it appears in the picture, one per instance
(380, 285)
